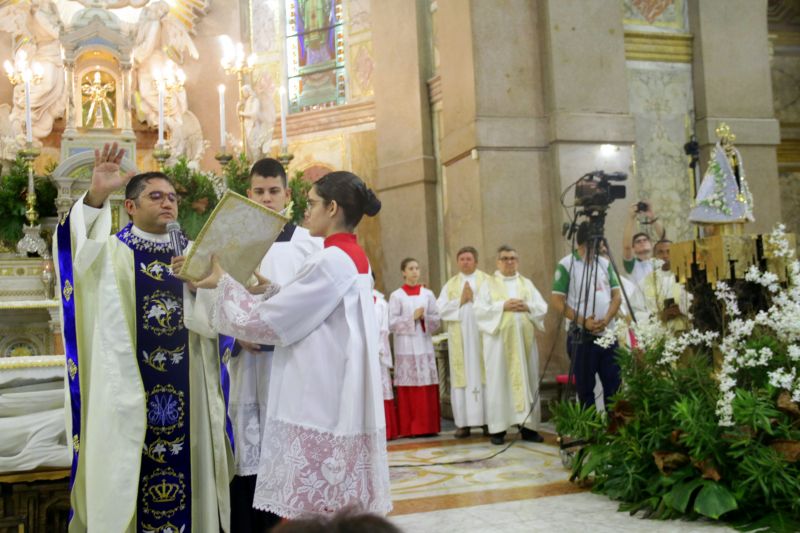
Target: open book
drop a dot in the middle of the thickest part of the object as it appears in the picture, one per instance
(239, 232)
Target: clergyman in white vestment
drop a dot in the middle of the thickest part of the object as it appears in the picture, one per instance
(145, 397)
(465, 353)
(507, 309)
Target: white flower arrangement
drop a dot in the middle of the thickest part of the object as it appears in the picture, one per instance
(781, 322)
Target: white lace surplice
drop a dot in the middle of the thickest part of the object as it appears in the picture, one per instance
(325, 448)
(250, 372)
(382, 316)
(415, 360)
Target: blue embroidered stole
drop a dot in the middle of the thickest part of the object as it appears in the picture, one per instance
(162, 351)
(67, 289)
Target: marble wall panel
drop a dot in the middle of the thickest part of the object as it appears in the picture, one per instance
(661, 101)
(790, 200)
(786, 87)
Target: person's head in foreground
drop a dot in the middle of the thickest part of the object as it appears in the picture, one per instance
(151, 201)
(342, 522)
(337, 202)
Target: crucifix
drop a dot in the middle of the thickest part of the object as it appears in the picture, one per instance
(97, 91)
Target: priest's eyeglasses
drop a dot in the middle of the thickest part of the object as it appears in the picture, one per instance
(158, 197)
(508, 259)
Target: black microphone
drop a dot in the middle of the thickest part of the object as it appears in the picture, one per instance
(175, 235)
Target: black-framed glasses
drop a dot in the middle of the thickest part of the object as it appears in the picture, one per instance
(508, 259)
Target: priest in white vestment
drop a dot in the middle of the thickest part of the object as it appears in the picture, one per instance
(145, 384)
(251, 365)
(324, 447)
(467, 375)
(507, 309)
(661, 296)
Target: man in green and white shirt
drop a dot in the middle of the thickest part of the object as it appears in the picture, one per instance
(590, 313)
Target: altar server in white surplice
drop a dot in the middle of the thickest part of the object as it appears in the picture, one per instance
(413, 318)
(145, 387)
(467, 376)
(507, 309)
(250, 368)
(389, 407)
(324, 446)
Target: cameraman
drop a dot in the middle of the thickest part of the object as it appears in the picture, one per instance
(588, 319)
(638, 249)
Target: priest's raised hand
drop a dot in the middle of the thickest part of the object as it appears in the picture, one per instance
(106, 176)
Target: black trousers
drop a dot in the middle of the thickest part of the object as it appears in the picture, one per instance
(591, 359)
(245, 519)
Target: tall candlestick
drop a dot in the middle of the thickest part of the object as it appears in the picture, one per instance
(222, 139)
(28, 127)
(160, 112)
(284, 141)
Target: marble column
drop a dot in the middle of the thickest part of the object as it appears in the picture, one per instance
(406, 182)
(124, 111)
(69, 73)
(587, 103)
(732, 84)
(494, 134)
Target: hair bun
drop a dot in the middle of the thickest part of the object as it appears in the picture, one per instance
(372, 205)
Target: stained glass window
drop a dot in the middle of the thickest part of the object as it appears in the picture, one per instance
(315, 54)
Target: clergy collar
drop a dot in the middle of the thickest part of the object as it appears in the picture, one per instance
(499, 274)
(156, 237)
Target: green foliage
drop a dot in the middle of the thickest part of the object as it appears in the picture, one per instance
(237, 174)
(13, 196)
(299, 189)
(661, 451)
(198, 197)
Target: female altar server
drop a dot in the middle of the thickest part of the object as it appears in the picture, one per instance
(413, 317)
(325, 448)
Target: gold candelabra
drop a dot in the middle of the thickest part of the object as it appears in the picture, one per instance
(235, 62)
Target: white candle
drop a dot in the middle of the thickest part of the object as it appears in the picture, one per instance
(28, 127)
(284, 141)
(160, 111)
(221, 89)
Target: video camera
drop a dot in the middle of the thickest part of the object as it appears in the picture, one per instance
(594, 191)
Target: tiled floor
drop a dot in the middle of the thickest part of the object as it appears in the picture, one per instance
(523, 489)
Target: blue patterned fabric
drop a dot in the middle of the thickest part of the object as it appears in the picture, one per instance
(67, 289)
(162, 351)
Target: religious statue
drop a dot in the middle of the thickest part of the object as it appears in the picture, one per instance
(99, 108)
(724, 196)
(37, 24)
(258, 113)
(186, 140)
(160, 34)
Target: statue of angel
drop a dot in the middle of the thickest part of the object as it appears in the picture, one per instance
(187, 141)
(258, 113)
(37, 24)
(159, 33)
